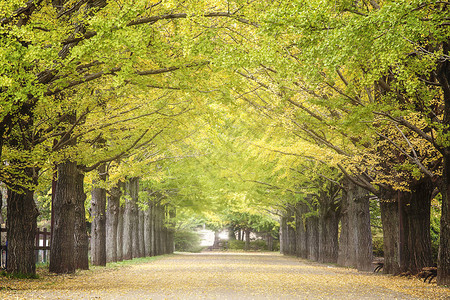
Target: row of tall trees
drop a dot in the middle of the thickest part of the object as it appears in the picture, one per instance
(330, 227)
(74, 98)
(360, 87)
(135, 228)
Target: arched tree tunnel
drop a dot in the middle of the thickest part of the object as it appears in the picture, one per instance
(318, 126)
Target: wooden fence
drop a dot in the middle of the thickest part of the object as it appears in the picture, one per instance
(41, 246)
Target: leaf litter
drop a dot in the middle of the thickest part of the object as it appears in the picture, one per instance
(221, 276)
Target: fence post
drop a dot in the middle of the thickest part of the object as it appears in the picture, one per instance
(36, 246)
(45, 234)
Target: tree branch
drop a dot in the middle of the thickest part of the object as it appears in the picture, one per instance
(365, 185)
(93, 76)
(412, 127)
(154, 19)
(93, 167)
(27, 10)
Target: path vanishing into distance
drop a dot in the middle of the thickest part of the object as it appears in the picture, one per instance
(222, 276)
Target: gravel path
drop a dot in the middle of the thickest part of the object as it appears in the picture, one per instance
(223, 276)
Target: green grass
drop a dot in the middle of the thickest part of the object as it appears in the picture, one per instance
(134, 261)
(18, 275)
(42, 268)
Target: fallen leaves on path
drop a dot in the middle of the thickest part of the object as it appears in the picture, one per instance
(231, 276)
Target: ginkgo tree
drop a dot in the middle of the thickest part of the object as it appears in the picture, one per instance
(388, 78)
(359, 86)
(51, 47)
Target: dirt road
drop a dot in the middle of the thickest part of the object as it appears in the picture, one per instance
(222, 276)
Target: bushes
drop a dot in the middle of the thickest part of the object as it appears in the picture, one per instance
(187, 241)
(256, 245)
(236, 245)
(377, 244)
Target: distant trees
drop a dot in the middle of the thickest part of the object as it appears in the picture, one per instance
(328, 104)
(56, 72)
(362, 84)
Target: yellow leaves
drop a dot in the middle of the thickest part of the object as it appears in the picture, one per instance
(6, 81)
(223, 276)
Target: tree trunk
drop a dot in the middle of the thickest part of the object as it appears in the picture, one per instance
(63, 240)
(283, 235)
(269, 242)
(141, 233)
(291, 247)
(364, 249)
(247, 239)
(301, 240)
(21, 231)
(443, 75)
(345, 257)
(355, 241)
(3, 197)
(416, 213)
(162, 234)
(172, 213)
(443, 276)
(231, 234)
(133, 188)
(328, 235)
(153, 228)
(112, 221)
(389, 219)
(81, 236)
(148, 231)
(129, 224)
(312, 229)
(120, 234)
(98, 228)
(157, 230)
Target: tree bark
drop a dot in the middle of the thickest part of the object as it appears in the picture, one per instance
(283, 235)
(346, 249)
(112, 221)
(328, 235)
(148, 231)
(312, 229)
(141, 233)
(63, 240)
(120, 234)
(355, 240)
(133, 188)
(443, 274)
(416, 215)
(364, 249)
(21, 231)
(390, 221)
(172, 213)
(81, 236)
(443, 75)
(162, 234)
(154, 231)
(98, 227)
(291, 247)
(269, 241)
(301, 240)
(3, 198)
(157, 230)
(129, 224)
(247, 239)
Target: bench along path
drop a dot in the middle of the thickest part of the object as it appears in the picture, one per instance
(225, 276)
